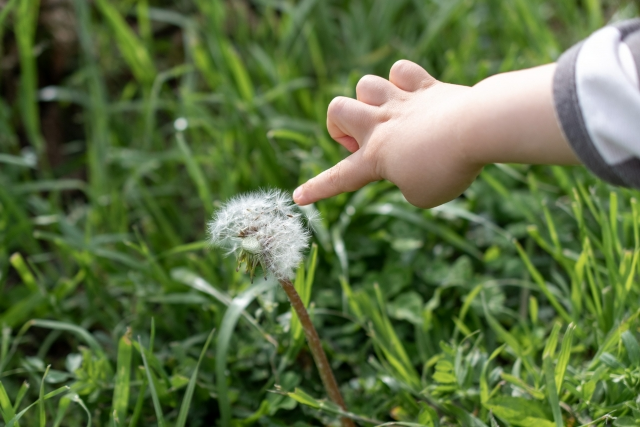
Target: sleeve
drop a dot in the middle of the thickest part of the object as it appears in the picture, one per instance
(596, 91)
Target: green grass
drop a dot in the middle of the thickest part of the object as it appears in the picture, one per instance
(516, 304)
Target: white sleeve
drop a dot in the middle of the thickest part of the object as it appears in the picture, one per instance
(596, 91)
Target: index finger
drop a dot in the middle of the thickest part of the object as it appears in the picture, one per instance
(349, 174)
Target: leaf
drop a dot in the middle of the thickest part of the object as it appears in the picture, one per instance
(301, 396)
(632, 346)
(465, 418)
(519, 411)
(611, 361)
(428, 416)
(407, 306)
(537, 394)
(625, 421)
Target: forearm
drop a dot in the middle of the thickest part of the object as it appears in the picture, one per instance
(510, 118)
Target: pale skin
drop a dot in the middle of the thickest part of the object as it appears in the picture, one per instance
(432, 139)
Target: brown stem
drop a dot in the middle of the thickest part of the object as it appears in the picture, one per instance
(326, 374)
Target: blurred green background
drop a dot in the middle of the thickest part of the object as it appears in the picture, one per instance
(124, 124)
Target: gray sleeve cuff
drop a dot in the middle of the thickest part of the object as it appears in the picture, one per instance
(601, 144)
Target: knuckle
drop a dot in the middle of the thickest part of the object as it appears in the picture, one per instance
(383, 115)
(401, 66)
(370, 154)
(366, 82)
(410, 71)
(336, 106)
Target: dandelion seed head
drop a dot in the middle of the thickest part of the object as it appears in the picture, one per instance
(180, 124)
(263, 227)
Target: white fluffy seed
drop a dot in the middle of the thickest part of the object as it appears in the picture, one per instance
(265, 224)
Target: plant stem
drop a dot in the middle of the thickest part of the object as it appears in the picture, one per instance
(326, 374)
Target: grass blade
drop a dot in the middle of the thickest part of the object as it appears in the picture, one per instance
(539, 280)
(484, 383)
(501, 332)
(564, 356)
(5, 405)
(42, 415)
(195, 173)
(63, 405)
(438, 229)
(301, 396)
(98, 125)
(14, 421)
(186, 401)
(123, 377)
(23, 390)
(25, 28)
(303, 285)
(227, 327)
(18, 262)
(139, 403)
(198, 283)
(133, 50)
(81, 333)
(552, 392)
(552, 341)
(152, 388)
(76, 398)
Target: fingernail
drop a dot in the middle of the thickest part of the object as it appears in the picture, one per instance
(298, 195)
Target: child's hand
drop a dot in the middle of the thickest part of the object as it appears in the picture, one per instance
(432, 139)
(403, 129)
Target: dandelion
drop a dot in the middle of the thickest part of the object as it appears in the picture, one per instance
(262, 228)
(265, 228)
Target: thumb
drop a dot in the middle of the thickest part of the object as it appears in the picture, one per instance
(350, 174)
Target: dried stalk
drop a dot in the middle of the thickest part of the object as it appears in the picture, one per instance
(326, 374)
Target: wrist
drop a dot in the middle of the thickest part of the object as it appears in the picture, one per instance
(510, 118)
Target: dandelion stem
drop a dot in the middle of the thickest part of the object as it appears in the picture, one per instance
(326, 374)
